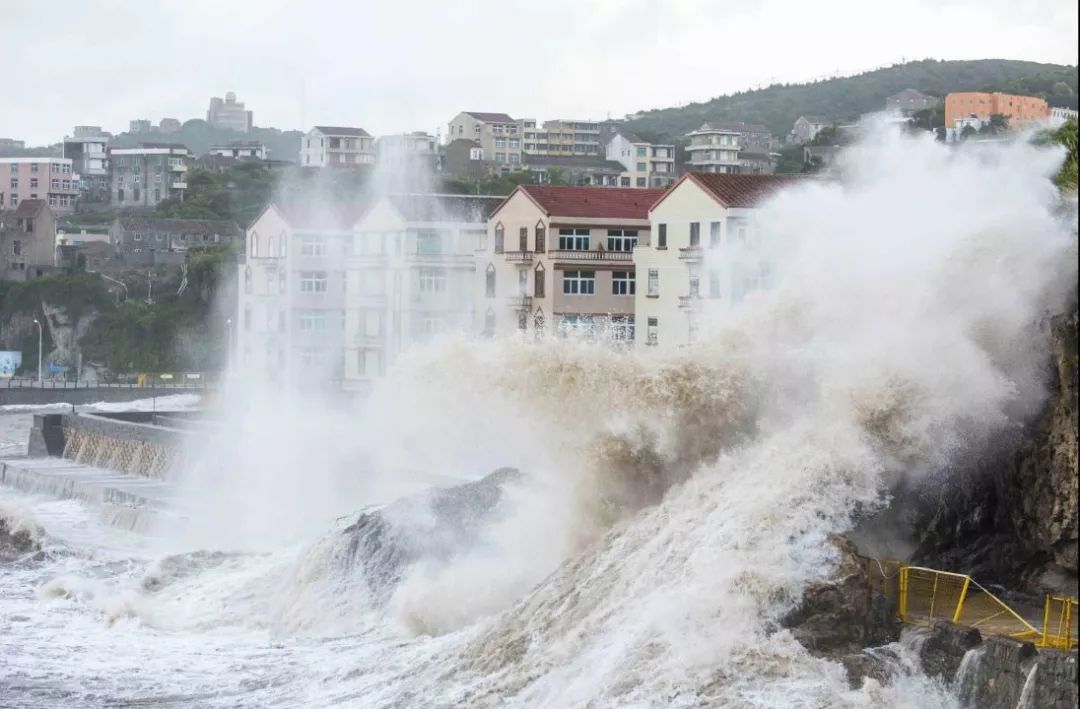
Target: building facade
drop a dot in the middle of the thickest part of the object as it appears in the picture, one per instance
(410, 278)
(90, 160)
(12, 144)
(1020, 110)
(133, 235)
(407, 152)
(714, 148)
(562, 137)
(148, 174)
(253, 150)
(339, 147)
(646, 164)
(291, 306)
(27, 240)
(52, 180)
(229, 113)
(705, 253)
(559, 260)
(807, 127)
(910, 101)
(576, 170)
(499, 137)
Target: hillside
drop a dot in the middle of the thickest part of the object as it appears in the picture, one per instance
(198, 136)
(847, 97)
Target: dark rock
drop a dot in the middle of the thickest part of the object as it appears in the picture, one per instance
(843, 615)
(945, 648)
(1055, 682)
(879, 664)
(999, 681)
(17, 541)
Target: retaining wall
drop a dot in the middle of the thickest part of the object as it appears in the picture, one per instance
(32, 396)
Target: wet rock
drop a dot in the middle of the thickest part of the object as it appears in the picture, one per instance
(843, 615)
(945, 648)
(1055, 682)
(17, 540)
(879, 665)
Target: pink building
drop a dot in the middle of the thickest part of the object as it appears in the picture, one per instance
(50, 179)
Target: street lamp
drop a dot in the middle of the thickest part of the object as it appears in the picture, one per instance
(39, 337)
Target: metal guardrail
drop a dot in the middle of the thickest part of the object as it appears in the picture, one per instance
(147, 383)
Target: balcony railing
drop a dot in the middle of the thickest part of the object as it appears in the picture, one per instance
(520, 302)
(690, 253)
(690, 302)
(440, 258)
(519, 256)
(181, 167)
(571, 255)
(179, 185)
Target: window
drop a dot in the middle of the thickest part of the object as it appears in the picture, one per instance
(16, 248)
(313, 281)
(737, 233)
(695, 234)
(695, 287)
(661, 236)
(33, 183)
(14, 167)
(640, 154)
(514, 144)
(281, 282)
(538, 281)
(489, 281)
(247, 317)
(538, 322)
(714, 235)
(500, 157)
(429, 243)
(500, 234)
(623, 283)
(540, 238)
(654, 282)
(247, 280)
(431, 325)
(310, 246)
(624, 181)
(500, 142)
(33, 167)
(579, 282)
(489, 322)
(640, 182)
(432, 280)
(254, 245)
(652, 331)
(622, 328)
(312, 321)
(642, 167)
(573, 239)
(523, 239)
(137, 236)
(14, 183)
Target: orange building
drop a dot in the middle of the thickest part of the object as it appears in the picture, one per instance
(1019, 109)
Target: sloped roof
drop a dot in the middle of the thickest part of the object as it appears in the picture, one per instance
(180, 226)
(738, 190)
(325, 215)
(445, 207)
(592, 202)
(29, 208)
(343, 130)
(814, 119)
(911, 93)
(491, 117)
(734, 127)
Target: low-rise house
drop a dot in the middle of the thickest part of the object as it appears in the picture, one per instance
(465, 158)
(703, 253)
(27, 241)
(910, 101)
(411, 270)
(646, 164)
(146, 175)
(499, 136)
(240, 149)
(580, 171)
(560, 259)
(337, 147)
(144, 241)
(807, 127)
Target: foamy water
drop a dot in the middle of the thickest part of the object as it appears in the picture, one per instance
(674, 507)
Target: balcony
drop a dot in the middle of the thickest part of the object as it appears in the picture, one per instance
(180, 167)
(520, 257)
(585, 256)
(690, 253)
(178, 185)
(690, 302)
(440, 258)
(520, 302)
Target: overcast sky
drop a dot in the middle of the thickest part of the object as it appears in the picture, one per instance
(400, 65)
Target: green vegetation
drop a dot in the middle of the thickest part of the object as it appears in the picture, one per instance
(846, 98)
(198, 136)
(495, 185)
(238, 194)
(1066, 135)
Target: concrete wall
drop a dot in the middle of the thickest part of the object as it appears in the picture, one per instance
(83, 395)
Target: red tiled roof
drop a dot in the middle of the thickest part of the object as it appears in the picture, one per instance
(593, 202)
(742, 190)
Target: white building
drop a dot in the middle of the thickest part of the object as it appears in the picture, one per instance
(704, 253)
(407, 151)
(291, 304)
(237, 149)
(337, 146)
(410, 272)
(1061, 115)
(228, 113)
(648, 165)
(714, 149)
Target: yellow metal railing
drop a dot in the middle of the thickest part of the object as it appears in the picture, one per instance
(925, 596)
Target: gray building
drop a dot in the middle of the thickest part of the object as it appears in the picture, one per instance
(575, 170)
(90, 161)
(229, 113)
(135, 234)
(910, 101)
(148, 174)
(27, 241)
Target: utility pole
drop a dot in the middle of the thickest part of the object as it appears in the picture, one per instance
(39, 338)
(149, 287)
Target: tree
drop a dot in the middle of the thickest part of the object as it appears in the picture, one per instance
(998, 124)
(969, 130)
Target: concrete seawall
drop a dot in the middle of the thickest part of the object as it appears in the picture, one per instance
(32, 396)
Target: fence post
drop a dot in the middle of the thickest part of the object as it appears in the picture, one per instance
(960, 601)
(903, 593)
(1046, 621)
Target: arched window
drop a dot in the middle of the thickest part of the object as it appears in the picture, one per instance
(538, 281)
(247, 280)
(281, 245)
(489, 322)
(489, 281)
(254, 244)
(500, 234)
(540, 242)
(272, 250)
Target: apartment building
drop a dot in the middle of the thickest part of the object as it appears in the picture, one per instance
(89, 154)
(560, 260)
(53, 180)
(228, 113)
(499, 137)
(291, 305)
(146, 175)
(144, 241)
(407, 152)
(714, 148)
(337, 147)
(1020, 110)
(410, 276)
(646, 164)
(27, 240)
(251, 150)
(705, 252)
(562, 137)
